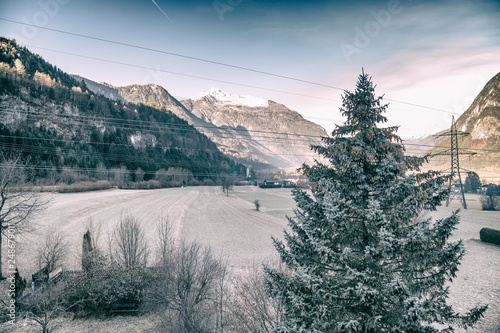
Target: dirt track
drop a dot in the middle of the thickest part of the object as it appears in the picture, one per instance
(231, 224)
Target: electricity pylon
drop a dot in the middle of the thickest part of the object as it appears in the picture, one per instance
(454, 152)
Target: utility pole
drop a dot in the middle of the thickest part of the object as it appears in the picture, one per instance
(454, 153)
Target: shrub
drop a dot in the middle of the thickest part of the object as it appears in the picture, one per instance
(250, 308)
(104, 288)
(489, 235)
(20, 284)
(490, 202)
(145, 185)
(85, 187)
(104, 285)
(208, 182)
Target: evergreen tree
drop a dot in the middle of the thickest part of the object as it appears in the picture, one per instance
(472, 182)
(361, 258)
(20, 284)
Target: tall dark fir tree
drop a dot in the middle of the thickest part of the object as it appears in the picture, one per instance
(360, 257)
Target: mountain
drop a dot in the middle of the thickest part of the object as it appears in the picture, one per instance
(482, 121)
(482, 118)
(102, 88)
(260, 129)
(156, 96)
(420, 146)
(59, 123)
(252, 130)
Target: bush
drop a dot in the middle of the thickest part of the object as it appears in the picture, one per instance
(208, 182)
(489, 235)
(250, 308)
(103, 289)
(105, 285)
(146, 185)
(84, 186)
(490, 202)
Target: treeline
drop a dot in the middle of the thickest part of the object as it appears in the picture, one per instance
(56, 122)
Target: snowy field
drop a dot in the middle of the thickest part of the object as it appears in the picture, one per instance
(232, 225)
(229, 224)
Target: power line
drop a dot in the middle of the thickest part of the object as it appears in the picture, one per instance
(181, 127)
(172, 54)
(210, 61)
(180, 74)
(186, 128)
(42, 150)
(112, 170)
(175, 127)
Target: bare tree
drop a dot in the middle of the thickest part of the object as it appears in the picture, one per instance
(164, 241)
(222, 294)
(18, 203)
(139, 175)
(188, 290)
(251, 309)
(227, 184)
(52, 251)
(43, 307)
(129, 246)
(121, 176)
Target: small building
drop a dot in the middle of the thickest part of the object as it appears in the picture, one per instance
(482, 189)
(270, 184)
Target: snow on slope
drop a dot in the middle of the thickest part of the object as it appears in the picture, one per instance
(218, 96)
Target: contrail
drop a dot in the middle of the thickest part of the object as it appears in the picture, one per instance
(161, 10)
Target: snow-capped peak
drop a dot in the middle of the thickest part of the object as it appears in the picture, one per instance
(221, 97)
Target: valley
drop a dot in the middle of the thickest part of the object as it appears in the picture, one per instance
(140, 137)
(232, 226)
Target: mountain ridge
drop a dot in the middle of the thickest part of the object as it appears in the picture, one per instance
(59, 124)
(481, 122)
(236, 124)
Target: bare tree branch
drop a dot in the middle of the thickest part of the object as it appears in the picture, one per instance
(52, 251)
(129, 247)
(18, 201)
(164, 241)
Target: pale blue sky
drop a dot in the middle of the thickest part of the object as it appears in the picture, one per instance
(433, 53)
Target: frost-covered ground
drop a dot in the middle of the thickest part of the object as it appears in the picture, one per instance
(231, 224)
(478, 279)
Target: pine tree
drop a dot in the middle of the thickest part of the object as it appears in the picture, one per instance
(360, 257)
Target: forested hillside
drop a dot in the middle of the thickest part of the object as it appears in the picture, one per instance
(57, 124)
